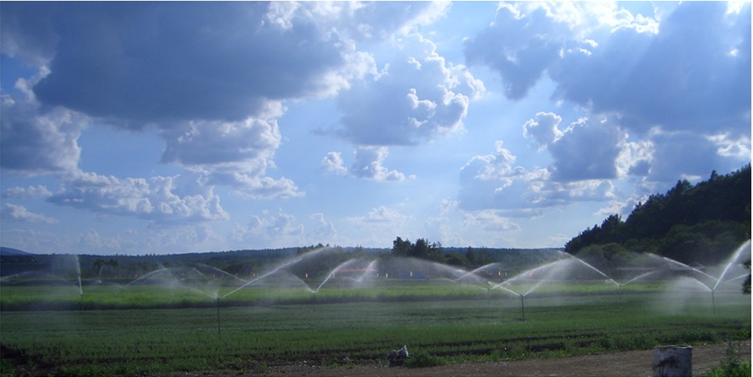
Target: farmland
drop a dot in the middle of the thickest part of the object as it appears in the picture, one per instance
(340, 327)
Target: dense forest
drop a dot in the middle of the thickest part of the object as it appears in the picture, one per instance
(694, 224)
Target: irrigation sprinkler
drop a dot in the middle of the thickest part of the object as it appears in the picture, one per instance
(219, 327)
(713, 303)
(523, 307)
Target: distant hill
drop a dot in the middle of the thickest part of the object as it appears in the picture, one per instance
(700, 223)
(11, 252)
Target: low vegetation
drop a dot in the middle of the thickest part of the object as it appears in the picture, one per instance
(239, 339)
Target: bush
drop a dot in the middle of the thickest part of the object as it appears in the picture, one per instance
(422, 359)
(731, 366)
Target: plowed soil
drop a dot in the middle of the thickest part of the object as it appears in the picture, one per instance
(623, 364)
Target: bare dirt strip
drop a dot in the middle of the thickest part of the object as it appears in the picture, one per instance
(623, 364)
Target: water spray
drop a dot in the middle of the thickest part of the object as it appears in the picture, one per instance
(219, 327)
(80, 287)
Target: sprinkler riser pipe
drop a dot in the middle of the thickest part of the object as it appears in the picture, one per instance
(219, 326)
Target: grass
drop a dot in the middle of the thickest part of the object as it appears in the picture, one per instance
(438, 327)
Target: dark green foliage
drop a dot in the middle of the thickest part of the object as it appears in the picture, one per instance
(700, 223)
(423, 359)
(422, 249)
(731, 366)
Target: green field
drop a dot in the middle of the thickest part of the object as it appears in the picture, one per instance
(257, 328)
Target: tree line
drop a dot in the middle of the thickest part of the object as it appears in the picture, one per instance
(693, 224)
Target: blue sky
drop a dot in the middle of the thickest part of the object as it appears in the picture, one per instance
(136, 128)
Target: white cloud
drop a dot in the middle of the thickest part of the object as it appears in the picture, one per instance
(728, 146)
(161, 200)
(490, 221)
(34, 140)
(257, 187)
(375, 21)
(19, 213)
(635, 158)
(235, 154)
(493, 182)
(587, 149)
(527, 39)
(183, 61)
(156, 62)
(381, 217)
(324, 230)
(632, 73)
(368, 165)
(427, 99)
(30, 192)
(333, 162)
(273, 231)
(543, 128)
(250, 143)
(625, 66)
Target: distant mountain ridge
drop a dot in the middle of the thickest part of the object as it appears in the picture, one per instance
(9, 251)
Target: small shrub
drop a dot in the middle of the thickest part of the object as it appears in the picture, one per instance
(731, 366)
(422, 359)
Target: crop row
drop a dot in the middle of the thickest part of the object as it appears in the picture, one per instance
(103, 297)
(241, 338)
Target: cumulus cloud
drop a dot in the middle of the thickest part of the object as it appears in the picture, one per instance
(368, 164)
(19, 213)
(685, 68)
(34, 140)
(140, 63)
(427, 98)
(669, 82)
(333, 162)
(518, 46)
(366, 21)
(235, 154)
(278, 230)
(680, 155)
(381, 217)
(734, 147)
(162, 200)
(490, 221)
(211, 77)
(251, 142)
(527, 40)
(587, 149)
(494, 182)
(712, 92)
(254, 186)
(30, 192)
(153, 62)
(543, 128)
(323, 230)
